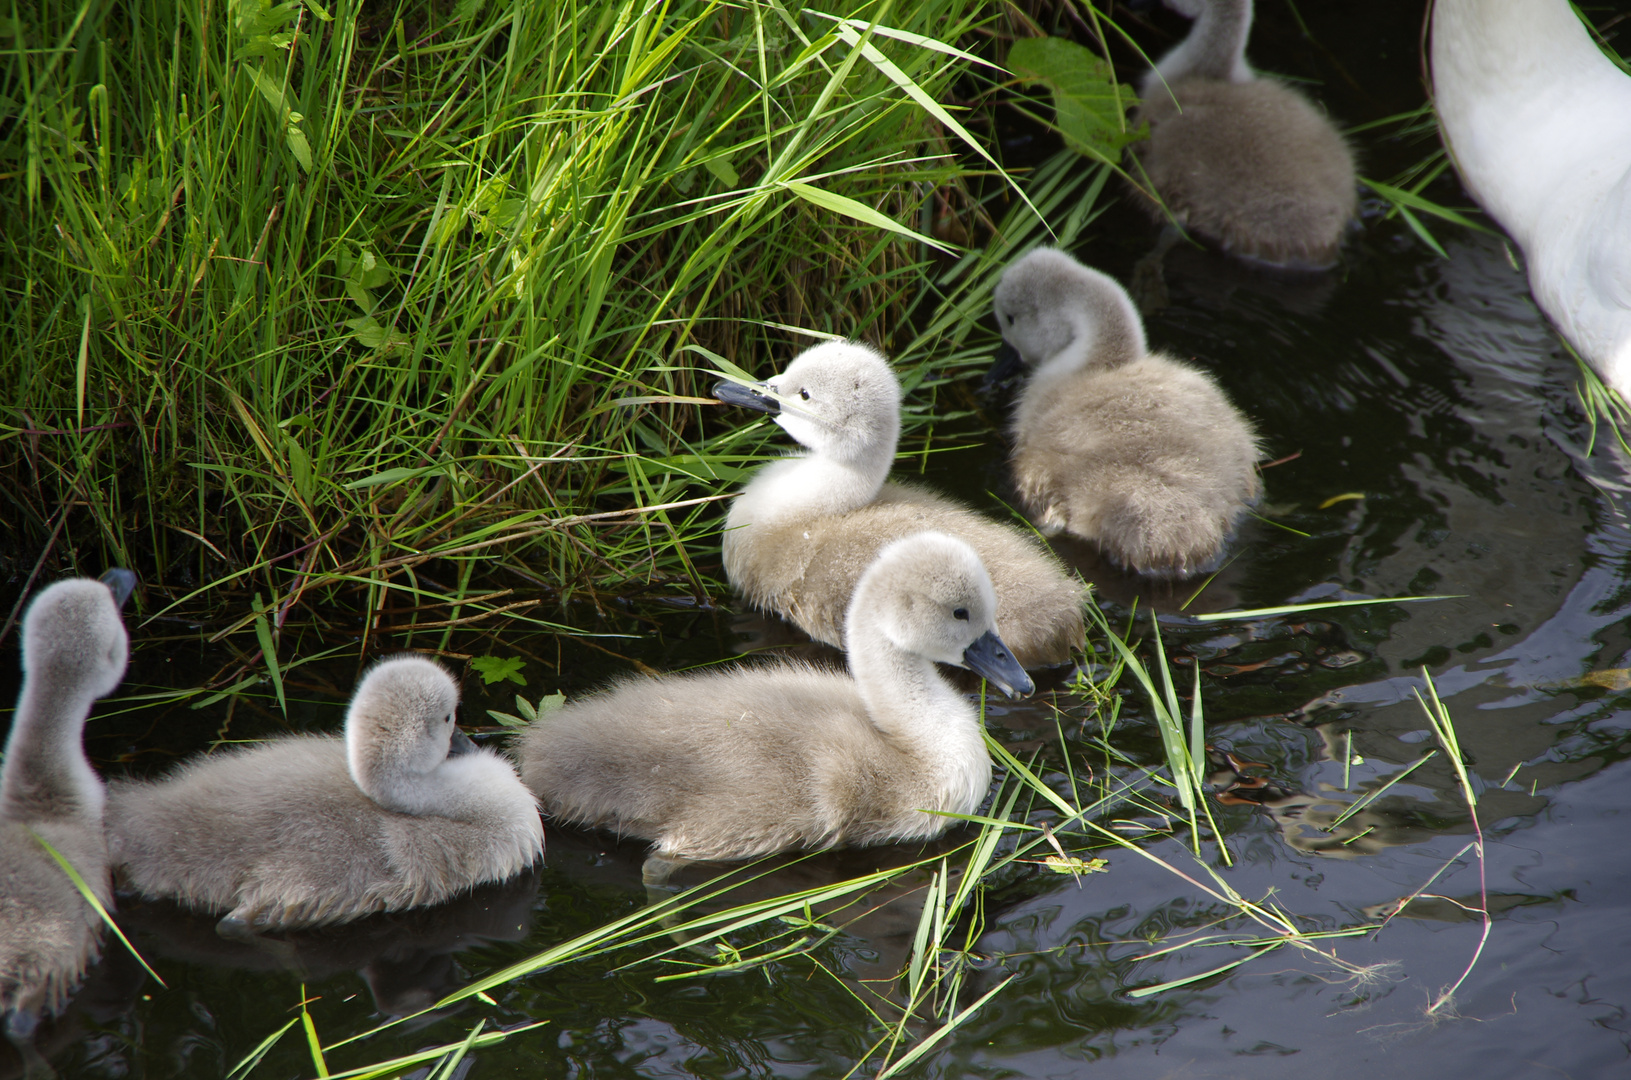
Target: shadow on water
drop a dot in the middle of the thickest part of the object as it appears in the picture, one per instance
(1437, 450)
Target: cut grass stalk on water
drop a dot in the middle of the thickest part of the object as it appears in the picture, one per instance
(1444, 730)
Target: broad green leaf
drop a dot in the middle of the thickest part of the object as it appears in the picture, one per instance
(721, 168)
(494, 669)
(270, 89)
(1090, 108)
(391, 476)
(859, 211)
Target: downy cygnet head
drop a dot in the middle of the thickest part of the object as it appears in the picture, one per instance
(930, 595)
(73, 635)
(1047, 302)
(839, 398)
(400, 729)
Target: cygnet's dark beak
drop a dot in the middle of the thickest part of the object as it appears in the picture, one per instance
(747, 397)
(989, 657)
(460, 744)
(120, 582)
(1004, 366)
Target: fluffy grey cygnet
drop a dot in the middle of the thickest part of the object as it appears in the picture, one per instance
(1246, 162)
(311, 829)
(739, 763)
(1113, 443)
(74, 650)
(806, 528)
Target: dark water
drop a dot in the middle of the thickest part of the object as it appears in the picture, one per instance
(1431, 387)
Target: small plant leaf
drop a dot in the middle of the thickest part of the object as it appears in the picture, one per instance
(494, 669)
(1090, 107)
(298, 146)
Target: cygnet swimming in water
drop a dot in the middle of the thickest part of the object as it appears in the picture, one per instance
(1247, 163)
(806, 528)
(74, 651)
(403, 811)
(757, 759)
(1114, 443)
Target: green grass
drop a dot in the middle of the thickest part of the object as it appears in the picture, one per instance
(298, 298)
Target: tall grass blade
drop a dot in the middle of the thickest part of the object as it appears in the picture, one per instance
(940, 1033)
(96, 905)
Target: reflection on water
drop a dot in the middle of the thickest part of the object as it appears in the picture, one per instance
(1434, 448)
(406, 959)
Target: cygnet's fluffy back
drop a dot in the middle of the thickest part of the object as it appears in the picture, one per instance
(1248, 163)
(805, 528)
(1143, 455)
(285, 834)
(751, 760)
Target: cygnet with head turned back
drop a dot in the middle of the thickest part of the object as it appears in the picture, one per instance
(1245, 162)
(1114, 443)
(300, 831)
(74, 651)
(805, 528)
(752, 760)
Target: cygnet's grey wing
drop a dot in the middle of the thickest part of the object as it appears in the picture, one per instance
(278, 834)
(1253, 166)
(1150, 460)
(819, 561)
(715, 765)
(491, 833)
(48, 933)
(1039, 602)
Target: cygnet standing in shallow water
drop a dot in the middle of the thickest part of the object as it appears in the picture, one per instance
(404, 811)
(806, 528)
(74, 650)
(1128, 448)
(1247, 163)
(739, 763)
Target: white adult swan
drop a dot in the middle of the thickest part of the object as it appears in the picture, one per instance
(757, 759)
(74, 650)
(306, 830)
(1538, 122)
(1116, 444)
(805, 528)
(1246, 162)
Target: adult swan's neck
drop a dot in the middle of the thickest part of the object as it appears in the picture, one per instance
(1539, 122)
(1530, 106)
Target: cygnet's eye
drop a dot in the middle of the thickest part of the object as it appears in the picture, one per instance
(805, 394)
(961, 614)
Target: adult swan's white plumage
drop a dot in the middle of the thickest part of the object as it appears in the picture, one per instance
(1539, 123)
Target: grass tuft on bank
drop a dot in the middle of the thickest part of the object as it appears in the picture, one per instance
(299, 297)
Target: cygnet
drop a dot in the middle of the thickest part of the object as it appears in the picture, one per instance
(404, 811)
(1114, 443)
(757, 759)
(805, 528)
(74, 651)
(1246, 162)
